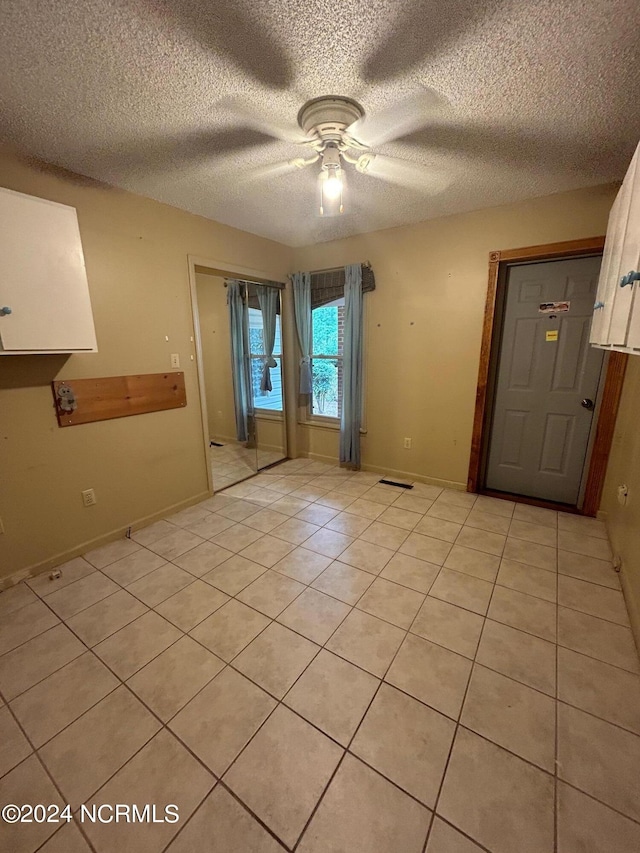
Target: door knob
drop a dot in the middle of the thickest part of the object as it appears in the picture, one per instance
(587, 403)
(5, 311)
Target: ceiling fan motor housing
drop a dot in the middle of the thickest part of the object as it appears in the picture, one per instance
(328, 117)
(331, 157)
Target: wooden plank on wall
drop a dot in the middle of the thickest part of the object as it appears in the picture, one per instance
(119, 396)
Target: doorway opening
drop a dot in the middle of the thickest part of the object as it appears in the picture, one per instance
(546, 401)
(239, 344)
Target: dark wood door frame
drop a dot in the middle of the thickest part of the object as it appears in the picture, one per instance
(498, 261)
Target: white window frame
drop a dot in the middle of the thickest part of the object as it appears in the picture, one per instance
(308, 418)
(266, 413)
(312, 417)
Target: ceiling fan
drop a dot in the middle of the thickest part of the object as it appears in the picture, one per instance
(336, 132)
(326, 122)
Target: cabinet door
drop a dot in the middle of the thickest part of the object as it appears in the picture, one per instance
(615, 238)
(629, 258)
(598, 334)
(42, 277)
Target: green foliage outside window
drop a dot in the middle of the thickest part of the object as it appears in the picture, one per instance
(325, 330)
(324, 372)
(325, 385)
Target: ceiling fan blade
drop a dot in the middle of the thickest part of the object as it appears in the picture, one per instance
(420, 32)
(515, 147)
(399, 119)
(155, 156)
(222, 27)
(272, 170)
(415, 176)
(275, 170)
(253, 117)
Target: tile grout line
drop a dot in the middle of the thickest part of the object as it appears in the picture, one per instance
(281, 701)
(153, 608)
(273, 619)
(35, 753)
(457, 722)
(163, 726)
(308, 586)
(347, 749)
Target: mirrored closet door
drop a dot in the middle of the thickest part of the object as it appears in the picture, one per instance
(264, 322)
(241, 371)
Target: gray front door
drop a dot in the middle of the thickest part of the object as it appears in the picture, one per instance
(540, 429)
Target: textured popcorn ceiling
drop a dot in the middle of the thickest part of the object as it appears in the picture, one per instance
(156, 96)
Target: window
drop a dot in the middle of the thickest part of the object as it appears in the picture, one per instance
(270, 401)
(327, 327)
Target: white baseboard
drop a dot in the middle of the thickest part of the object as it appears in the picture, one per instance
(89, 545)
(393, 472)
(225, 439)
(418, 478)
(318, 457)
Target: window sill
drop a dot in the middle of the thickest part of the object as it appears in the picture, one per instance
(268, 415)
(325, 423)
(320, 422)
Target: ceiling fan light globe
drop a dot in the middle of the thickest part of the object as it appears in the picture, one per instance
(332, 187)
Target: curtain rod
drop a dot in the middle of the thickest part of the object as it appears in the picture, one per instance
(277, 284)
(335, 269)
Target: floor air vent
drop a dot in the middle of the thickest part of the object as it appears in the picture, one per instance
(393, 483)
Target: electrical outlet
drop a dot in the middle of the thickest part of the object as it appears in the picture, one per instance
(89, 497)
(175, 359)
(623, 494)
(407, 444)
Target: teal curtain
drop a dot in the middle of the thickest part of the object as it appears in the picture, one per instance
(268, 301)
(352, 369)
(302, 308)
(238, 367)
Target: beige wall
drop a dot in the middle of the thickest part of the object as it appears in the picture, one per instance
(422, 344)
(136, 256)
(623, 522)
(270, 433)
(216, 355)
(424, 324)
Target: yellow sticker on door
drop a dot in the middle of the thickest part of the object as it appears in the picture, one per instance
(551, 335)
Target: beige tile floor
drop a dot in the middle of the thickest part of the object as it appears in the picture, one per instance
(314, 662)
(233, 462)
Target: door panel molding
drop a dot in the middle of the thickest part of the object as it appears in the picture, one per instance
(498, 261)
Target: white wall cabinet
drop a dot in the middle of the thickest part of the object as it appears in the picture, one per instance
(616, 314)
(44, 295)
